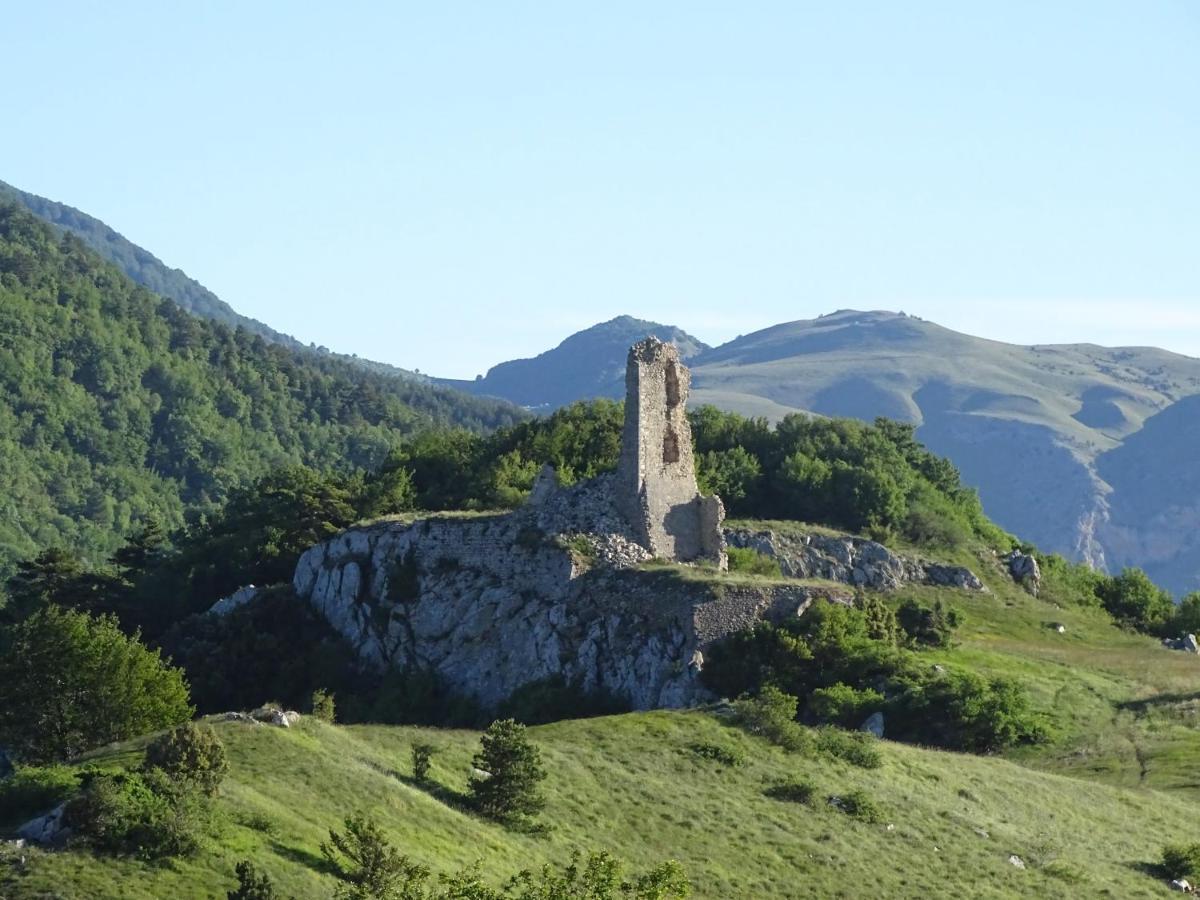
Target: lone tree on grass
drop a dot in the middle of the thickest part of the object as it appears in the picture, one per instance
(369, 867)
(508, 771)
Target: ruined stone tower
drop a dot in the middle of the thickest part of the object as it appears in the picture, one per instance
(656, 478)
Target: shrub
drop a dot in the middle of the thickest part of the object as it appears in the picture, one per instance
(323, 706)
(368, 866)
(511, 767)
(1186, 619)
(726, 756)
(191, 755)
(928, 626)
(1181, 861)
(252, 884)
(751, 562)
(32, 790)
(793, 792)
(422, 757)
(855, 747)
(70, 682)
(143, 813)
(553, 699)
(840, 704)
(858, 805)
(964, 711)
(600, 877)
(881, 623)
(1134, 600)
(772, 714)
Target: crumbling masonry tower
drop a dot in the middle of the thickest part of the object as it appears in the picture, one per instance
(656, 478)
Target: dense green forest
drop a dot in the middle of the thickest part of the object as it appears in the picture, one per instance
(117, 405)
(140, 265)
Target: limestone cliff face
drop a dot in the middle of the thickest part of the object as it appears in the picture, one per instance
(490, 604)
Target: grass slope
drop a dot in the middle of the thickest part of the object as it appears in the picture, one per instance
(1088, 812)
(631, 784)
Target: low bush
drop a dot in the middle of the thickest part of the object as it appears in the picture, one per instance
(554, 699)
(793, 792)
(855, 747)
(928, 626)
(140, 813)
(323, 706)
(1181, 861)
(33, 790)
(858, 805)
(191, 755)
(843, 661)
(750, 562)
(841, 704)
(726, 756)
(772, 715)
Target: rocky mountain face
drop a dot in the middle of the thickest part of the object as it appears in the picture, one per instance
(1083, 450)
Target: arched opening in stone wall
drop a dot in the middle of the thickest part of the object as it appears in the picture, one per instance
(670, 446)
(672, 374)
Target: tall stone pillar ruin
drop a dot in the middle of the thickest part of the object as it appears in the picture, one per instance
(656, 477)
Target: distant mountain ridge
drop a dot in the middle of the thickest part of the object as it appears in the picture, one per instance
(586, 365)
(1081, 449)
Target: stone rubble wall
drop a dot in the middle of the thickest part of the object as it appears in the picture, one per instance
(493, 603)
(850, 560)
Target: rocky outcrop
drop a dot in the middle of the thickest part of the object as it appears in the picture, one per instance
(236, 600)
(492, 603)
(49, 830)
(850, 560)
(1024, 569)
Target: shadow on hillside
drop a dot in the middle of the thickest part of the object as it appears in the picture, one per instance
(459, 800)
(1159, 700)
(305, 858)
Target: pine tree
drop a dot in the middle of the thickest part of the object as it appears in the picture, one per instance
(509, 771)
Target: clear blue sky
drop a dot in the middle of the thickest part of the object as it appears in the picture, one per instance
(447, 185)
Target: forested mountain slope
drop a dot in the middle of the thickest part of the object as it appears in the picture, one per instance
(116, 404)
(146, 269)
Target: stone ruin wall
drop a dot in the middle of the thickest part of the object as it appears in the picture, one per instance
(656, 479)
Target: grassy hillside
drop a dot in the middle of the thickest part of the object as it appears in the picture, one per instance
(631, 784)
(1088, 812)
(116, 404)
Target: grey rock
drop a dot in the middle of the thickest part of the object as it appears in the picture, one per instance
(1016, 861)
(239, 598)
(48, 830)
(1024, 569)
(873, 724)
(271, 715)
(853, 561)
